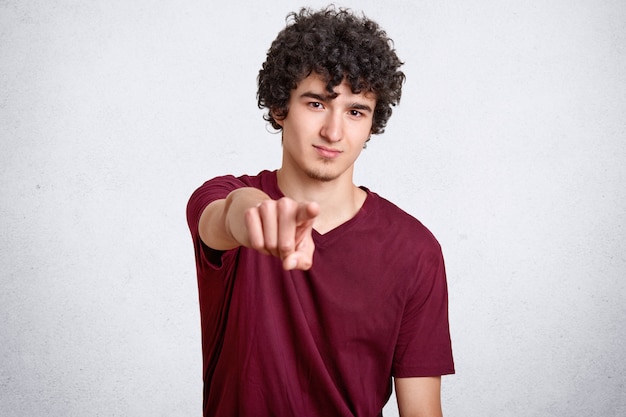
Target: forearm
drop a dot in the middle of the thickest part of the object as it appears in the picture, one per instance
(222, 224)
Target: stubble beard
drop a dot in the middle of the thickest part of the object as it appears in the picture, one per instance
(322, 174)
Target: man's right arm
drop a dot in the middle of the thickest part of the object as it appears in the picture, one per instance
(220, 225)
(249, 217)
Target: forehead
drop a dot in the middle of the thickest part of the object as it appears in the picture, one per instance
(316, 83)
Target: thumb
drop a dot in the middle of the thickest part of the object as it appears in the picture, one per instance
(302, 258)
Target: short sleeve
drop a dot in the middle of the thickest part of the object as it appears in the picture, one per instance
(212, 190)
(423, 347)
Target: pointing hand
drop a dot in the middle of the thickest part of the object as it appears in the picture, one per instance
(283, 228)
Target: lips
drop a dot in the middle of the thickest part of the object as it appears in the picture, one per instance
(325, 152)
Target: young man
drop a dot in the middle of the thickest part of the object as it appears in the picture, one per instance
(314, 292)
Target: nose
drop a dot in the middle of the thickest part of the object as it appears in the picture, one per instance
(332, 130)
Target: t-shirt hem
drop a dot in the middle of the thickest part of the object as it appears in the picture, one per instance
(417, 373)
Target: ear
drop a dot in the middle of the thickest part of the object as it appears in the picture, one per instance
(279, 121)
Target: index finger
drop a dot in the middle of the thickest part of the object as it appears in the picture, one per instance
(307, 212)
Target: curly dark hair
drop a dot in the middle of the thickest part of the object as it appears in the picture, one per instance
(337, 45)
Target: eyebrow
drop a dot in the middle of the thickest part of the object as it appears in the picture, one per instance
(320, 97)
(328, 97)
(359, 106)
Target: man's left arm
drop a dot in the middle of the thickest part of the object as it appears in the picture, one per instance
(419, 396)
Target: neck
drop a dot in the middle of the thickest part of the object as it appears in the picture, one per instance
(339, 199)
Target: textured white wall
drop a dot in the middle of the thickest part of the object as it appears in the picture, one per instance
(509, 144)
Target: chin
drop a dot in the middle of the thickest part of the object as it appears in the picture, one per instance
(321, 176)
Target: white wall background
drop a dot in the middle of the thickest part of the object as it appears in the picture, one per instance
(510, 144)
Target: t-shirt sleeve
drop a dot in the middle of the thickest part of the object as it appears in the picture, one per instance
(424, 347)
(212, 190)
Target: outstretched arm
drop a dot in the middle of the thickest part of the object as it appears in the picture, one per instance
(249, 217)
(419, 397)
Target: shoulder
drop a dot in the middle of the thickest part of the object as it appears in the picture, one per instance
(410, 251)
(399, 224)
(220, 186)
(233, 181)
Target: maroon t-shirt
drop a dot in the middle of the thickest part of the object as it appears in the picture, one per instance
(323, 342)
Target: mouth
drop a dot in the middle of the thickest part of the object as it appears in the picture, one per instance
(328, 153)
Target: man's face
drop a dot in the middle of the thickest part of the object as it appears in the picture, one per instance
(323, 134)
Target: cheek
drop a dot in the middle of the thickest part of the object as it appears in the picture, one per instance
(303, 126)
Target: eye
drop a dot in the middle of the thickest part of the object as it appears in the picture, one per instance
(316, 105)
(355, 113)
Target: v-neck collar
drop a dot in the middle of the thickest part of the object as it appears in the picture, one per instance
(325, 238)
(322, 240)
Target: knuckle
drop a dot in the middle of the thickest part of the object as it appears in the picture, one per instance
(286, 247)
(270, 246)
(286, 203)
(268, 207)
(306, 264)
(263, 206)
(249, 215)
(256, 243)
